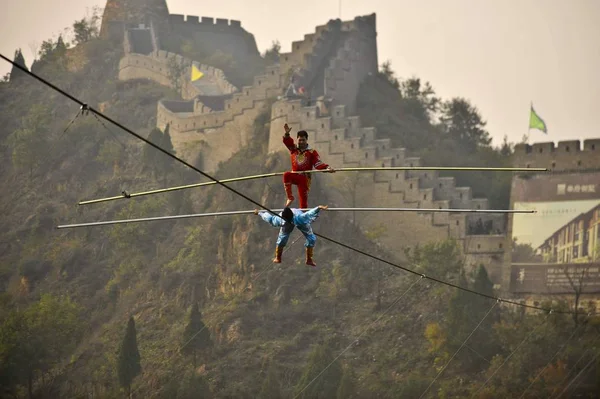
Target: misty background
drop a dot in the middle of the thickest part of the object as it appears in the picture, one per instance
(500, 55)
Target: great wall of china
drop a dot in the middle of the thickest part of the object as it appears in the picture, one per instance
(215, 119)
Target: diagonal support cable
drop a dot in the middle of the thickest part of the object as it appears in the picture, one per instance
(512, 353)
(550, 361)
(360, 335)
(458, 350)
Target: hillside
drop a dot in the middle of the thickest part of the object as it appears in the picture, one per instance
(67, 295)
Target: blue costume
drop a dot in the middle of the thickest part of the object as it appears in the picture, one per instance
(303, 221)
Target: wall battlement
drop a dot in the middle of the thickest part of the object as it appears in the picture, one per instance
(340, 55)
(565, 156)
(194, 20)
(344, 142)
(155, 67)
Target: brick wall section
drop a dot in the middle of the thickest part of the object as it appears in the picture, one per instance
(356, 59)
(337, 134)
(155, 68)
(566, 156)
(343, 142)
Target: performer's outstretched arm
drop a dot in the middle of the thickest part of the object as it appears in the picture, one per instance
(320, 165)
(274, 221)
(311, 215)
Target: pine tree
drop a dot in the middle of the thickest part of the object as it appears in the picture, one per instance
(150, 153)
(167, 145)
(15, 72)
(346, 387)
(196, 336)
(270, 387)
(326, 385)
(129, 358)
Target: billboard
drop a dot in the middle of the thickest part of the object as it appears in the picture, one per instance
(559, 246)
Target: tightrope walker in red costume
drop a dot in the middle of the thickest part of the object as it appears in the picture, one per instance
(303, 158)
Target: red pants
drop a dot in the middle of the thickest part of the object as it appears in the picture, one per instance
(303, 183)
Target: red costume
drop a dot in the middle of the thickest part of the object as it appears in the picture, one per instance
(302, 160)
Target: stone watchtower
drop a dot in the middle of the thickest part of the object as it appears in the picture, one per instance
(118, 14)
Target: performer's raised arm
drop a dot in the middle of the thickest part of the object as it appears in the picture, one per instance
(287, 139)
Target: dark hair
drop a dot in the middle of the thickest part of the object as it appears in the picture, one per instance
(287, 215)
(303, 133)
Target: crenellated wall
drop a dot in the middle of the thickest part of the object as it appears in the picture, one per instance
(566, 156)
(155, 67)
(343, 142)
(354, 61)
(222, 132)
(215, 34)
(332, 61)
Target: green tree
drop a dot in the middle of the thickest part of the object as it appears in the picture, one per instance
(111, 154)
(15, 72)
(175, 70)
(421, 101)
(128, 366)
(441, 259)
(34, 341)
(29, 142)
(463, 123)
(190, 386)
(506, 149)
(87, 28)
(326, 385)
(271, 55)
(270, 388)
(346, 388)
(150, 153)
(389, 75)
(196, 337)
(167, 145)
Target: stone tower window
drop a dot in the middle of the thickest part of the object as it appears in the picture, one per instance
(410, 186)
(553, 164)
(336, 137)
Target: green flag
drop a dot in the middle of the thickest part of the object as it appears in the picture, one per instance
(535, 122)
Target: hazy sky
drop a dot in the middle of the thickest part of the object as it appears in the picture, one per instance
(501, 55)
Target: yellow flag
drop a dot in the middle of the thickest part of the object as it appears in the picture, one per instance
(196, 73)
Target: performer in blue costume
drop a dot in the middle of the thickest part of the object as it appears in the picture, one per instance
(288, 219)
